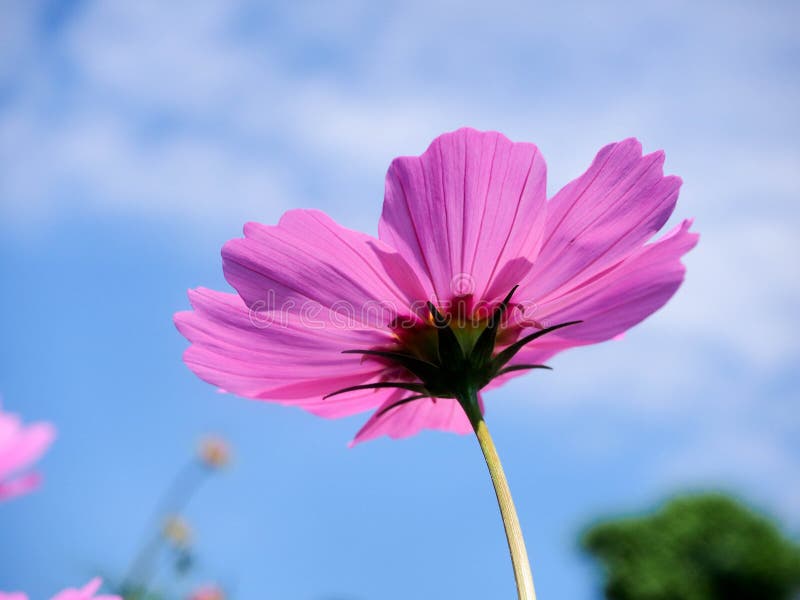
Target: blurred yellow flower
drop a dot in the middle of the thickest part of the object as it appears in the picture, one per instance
(177, 532)
(214, 452)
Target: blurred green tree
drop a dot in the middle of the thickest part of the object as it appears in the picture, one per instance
(698, 547)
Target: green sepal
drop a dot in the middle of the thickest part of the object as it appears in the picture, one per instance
(506, 355)
(414, 387)
(482, 351)
(520, 368)
(450, 352)
(421, 368)
(400, 403)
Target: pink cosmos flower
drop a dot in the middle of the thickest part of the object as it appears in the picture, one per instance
(475, 277)
(20, 447)
(87, 592)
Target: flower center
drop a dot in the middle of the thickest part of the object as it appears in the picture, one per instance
(450, 356)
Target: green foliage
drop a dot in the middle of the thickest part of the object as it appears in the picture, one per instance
(702, 547)
(138, 593)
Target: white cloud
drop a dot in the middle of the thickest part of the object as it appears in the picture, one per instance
(400, 79)
(177, 56)
(742, 290)
(739, 457)
(96, 163)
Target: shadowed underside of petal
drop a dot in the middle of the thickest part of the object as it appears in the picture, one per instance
(444, 414)
(596, 220)
(466, 213)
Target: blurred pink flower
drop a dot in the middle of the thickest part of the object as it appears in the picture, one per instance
(87, 592)
(206, 592)
(20, 447)
(322, 310)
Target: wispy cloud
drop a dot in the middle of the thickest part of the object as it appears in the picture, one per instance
(352, 87)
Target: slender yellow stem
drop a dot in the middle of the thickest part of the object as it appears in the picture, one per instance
(516, 543)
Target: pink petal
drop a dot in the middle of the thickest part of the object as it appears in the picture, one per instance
(13, 596)
(309, 289)
(18, 486)
(444, 414)
(87, 592)
(287, 361)
(467, 214)
(223, 320)
(624, 295)
(10, 425)
(25, 448)
(308, 264)
(20, 447)
(595, 221)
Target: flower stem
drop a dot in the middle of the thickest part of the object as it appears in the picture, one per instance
(516, 543)
(175, 498)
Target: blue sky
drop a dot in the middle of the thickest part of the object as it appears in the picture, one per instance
(136, 137)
